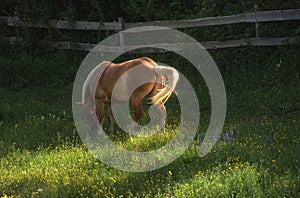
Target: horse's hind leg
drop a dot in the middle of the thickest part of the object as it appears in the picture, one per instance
(161, 110)
(110, 118)
(99, 103)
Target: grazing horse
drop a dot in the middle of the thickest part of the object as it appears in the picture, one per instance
(160, 83)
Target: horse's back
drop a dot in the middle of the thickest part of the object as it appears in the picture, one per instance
(114, 72)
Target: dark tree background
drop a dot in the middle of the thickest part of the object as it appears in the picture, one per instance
(136, 10)
(133, 11)
(144, 10)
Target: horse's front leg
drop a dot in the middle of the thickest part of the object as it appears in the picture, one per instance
(137, 108)
(138, 112)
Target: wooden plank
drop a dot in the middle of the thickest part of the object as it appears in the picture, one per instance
(73, 46)
(209, 21)
(262, 16)
(249, 42)
(85, 25)
(157, 48)
(276, 15)
(61, 24)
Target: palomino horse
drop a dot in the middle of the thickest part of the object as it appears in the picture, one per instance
(160, 83)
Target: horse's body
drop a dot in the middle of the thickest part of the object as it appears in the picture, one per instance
(160, 83)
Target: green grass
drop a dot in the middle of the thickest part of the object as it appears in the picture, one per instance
(41, 154)
(251, 165)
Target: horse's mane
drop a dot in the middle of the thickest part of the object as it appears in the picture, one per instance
(173, 76)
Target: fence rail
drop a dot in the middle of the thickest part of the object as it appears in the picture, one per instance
(156, 48)
(255, 17)
(262, 16)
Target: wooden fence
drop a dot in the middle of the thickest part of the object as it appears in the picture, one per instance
(255, 17)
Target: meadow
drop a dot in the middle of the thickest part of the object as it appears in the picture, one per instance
(257, 155)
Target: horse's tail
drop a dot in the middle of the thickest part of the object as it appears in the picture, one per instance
(91, 82)
(89, 88)
(169, 84)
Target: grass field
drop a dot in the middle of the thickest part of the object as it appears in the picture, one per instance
(257, 154)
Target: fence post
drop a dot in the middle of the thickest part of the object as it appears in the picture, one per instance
(122, 40)
(16, 26)
(256, 24)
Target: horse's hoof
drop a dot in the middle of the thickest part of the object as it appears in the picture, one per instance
(100, 132)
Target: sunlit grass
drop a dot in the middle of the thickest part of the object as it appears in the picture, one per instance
(257, 155)
(255, 159)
